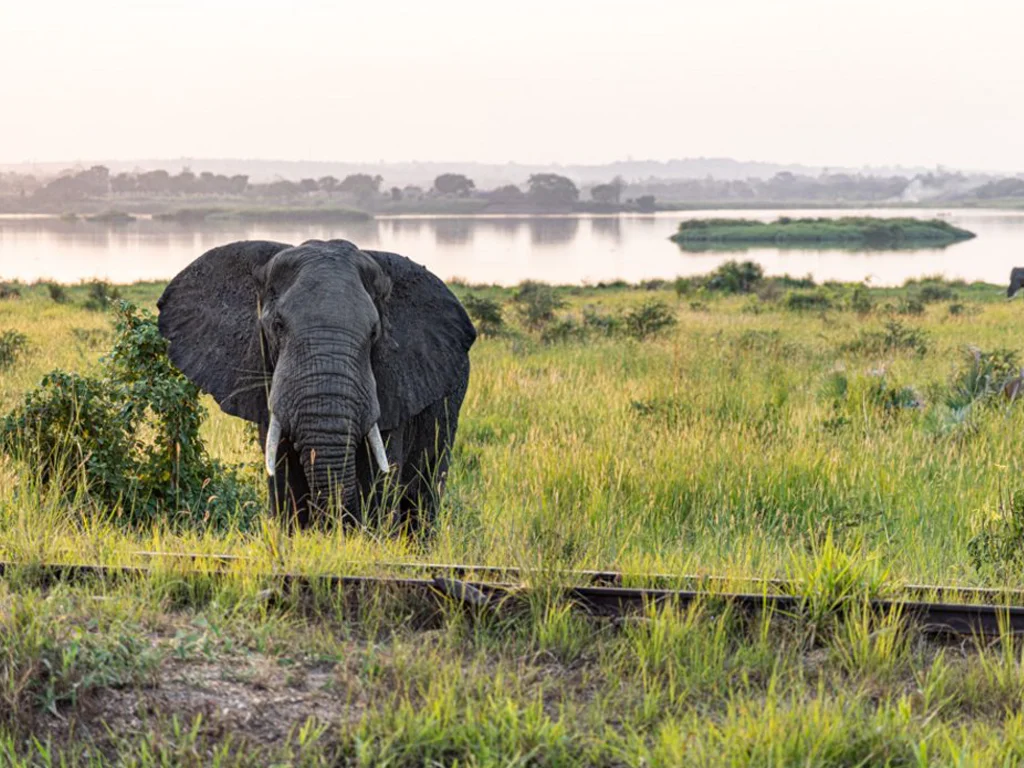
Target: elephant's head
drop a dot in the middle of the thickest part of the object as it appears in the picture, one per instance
(322, 344)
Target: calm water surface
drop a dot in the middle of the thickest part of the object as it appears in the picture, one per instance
(505, 250)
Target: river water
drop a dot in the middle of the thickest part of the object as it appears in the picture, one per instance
(505, 249)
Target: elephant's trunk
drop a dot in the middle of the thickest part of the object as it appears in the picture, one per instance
(327, 406)
(331, 473)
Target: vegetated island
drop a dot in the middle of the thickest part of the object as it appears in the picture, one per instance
(847, 232)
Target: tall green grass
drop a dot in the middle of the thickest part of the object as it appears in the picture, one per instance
(830, 447)
(726, 443)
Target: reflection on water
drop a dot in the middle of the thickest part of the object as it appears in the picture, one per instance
(501, 249)
(609, 227)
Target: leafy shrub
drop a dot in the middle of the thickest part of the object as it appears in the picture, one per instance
(683, 286)
(959, 309)
(10, 291)
(894, 337)
(930, 293)
(132, 433)
(57, 293)
(562, 330)
(892, 398)
(788, 281)
(804, 302)
(486, 313)
(906, 305)
(861, 301)
(735, 277)
(601, 323)
(101, 296)
(981, 375)
(537, 303)
(649, 318)
(13, 345)
(1000, 542)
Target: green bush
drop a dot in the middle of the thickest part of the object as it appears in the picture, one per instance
(10, 291)
(894, 337)
(981, 375)
(735, 277)
(486, 313)
(930, 293)
(648, 319)
(999, 545)
(537, 303)
(861, 301)
(906, 305)
(57, 293)
(601, 323)
(892, 398)
(683, 286)
(132, 433)
(13, 345)
(101, 296)
(804, 302)
(562, 330)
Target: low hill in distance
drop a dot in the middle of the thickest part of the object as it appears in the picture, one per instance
(847, 232)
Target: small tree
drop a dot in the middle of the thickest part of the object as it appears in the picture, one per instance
(552, 189)
(509, 193)
(362, 186)
(328, 184)
(537, 302)
(646, 203)
(454, 184)
(610, 193)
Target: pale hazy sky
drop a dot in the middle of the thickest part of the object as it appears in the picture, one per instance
(814, 81)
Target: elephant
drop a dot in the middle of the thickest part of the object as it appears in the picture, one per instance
(354, 365)
(1016, 281)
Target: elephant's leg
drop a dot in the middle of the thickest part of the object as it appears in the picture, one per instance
(425, 474)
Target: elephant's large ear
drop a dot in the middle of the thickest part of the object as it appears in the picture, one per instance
(422, 354)
(208, 314)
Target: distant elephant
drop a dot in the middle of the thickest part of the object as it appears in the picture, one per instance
(1016, 281)
(353, 364)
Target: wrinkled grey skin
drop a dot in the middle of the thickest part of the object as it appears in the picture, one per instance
(331, 340)
(1016, 281)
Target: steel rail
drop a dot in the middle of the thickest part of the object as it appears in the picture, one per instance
(615, 601)
(585, 577)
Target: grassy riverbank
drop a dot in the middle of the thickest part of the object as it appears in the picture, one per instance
(840, 434)
(846, 232)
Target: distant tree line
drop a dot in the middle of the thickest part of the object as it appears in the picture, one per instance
(542, 190)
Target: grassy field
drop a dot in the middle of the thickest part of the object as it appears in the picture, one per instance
(848, 232)
(847, 436)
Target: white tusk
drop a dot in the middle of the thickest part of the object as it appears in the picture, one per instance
(273, 438)
(377, 446)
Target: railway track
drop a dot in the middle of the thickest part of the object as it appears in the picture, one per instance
(604, 593)
(601, 578)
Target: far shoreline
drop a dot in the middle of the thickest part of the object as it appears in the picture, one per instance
(312, 214)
